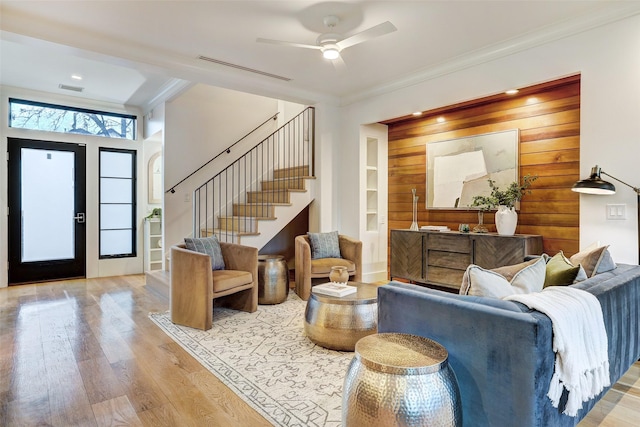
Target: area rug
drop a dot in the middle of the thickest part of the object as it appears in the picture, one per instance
(266, 359)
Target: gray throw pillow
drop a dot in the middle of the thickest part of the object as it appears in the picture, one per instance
(324, 245)
(595, 259)
(209, 246)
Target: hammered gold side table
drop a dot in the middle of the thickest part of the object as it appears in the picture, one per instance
(273, 279)
(339, 322)
(400, 380)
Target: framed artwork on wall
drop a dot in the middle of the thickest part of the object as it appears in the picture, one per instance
(459, 169)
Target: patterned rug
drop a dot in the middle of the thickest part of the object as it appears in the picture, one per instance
(266, 359)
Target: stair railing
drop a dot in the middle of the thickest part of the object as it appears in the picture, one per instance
(228, 204)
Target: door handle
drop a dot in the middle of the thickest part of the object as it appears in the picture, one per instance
(79, 217)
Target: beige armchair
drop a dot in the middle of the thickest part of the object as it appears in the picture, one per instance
(310, 270)
(194, 286)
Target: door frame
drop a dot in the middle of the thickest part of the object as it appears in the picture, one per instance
(43, 270)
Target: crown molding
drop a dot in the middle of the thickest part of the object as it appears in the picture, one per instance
(167, 92)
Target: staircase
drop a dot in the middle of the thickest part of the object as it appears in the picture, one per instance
(278, 201)
(256, 196)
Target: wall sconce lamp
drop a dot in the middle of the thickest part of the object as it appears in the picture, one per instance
(596, 185)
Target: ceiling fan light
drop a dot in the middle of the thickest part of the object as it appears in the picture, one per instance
(331, 53)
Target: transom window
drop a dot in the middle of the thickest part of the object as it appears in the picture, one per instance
(59, 118)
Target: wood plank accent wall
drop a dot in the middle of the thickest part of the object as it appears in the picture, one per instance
(548, 116)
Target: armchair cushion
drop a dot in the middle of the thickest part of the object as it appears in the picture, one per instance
(228, 279)
(209, 246)
(324, 245)
(323, 266)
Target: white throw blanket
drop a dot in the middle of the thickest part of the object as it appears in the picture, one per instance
(579, 341)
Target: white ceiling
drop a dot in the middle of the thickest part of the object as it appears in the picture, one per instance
(136, 52)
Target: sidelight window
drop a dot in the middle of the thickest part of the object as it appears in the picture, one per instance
(117, 203)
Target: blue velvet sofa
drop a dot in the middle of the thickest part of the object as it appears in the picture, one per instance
(501, 351)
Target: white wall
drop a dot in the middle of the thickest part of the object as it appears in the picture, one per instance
(608, 58)
(330, 152)
(94, 266)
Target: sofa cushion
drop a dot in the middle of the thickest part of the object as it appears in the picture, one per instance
(229, 279)
(508, 271)
(595, 259)
(478, 281)
(322, 267)
(560, 271)
(324, 245)
(209, 246)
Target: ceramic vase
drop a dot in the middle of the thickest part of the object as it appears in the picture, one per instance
(339, 274)
(506, 220)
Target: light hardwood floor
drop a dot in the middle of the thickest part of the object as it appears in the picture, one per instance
(83, 352)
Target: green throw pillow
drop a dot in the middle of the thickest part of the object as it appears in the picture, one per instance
(560, 271)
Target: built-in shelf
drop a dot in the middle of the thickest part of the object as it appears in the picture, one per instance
(153, 251)
(372, 184)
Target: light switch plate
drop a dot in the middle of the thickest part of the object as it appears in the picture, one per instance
(617, 211)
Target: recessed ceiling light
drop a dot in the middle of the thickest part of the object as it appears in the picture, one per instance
(76, 76)
(417, 113)
(512, 91)
(441, 119)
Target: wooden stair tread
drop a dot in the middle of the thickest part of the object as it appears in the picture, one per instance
(266, 204)
(281, 190)
(284, 178)
(236, 233)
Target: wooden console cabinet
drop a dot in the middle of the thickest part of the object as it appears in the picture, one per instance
(441, 258)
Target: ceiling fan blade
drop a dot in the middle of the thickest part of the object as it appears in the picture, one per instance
(376, 31)
(339, 64)
(283, 43)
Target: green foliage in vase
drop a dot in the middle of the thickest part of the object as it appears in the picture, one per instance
(507, 197)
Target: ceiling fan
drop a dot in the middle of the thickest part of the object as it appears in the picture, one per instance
(331, 44)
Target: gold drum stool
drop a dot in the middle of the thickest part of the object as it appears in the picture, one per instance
(400, 380)
(339, 322)
(273, 279)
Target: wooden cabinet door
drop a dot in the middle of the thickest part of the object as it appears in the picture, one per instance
(492, 251)
(406, 255)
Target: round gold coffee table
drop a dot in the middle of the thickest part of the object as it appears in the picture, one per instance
(339, 322)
